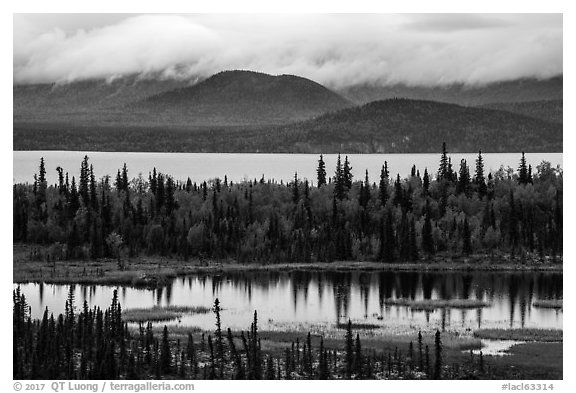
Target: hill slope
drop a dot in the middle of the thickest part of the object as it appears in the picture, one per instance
(520, 90)
(401, 126)
(550, 111)
(245, 97)
(88, 99)
(226, 99)
(391, 126)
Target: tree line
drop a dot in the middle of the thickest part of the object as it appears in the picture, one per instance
(91, 343)
(447, 212)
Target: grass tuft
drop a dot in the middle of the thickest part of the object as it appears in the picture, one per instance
(158, 313)
(433, 304)
(556, 303)
(525, 334)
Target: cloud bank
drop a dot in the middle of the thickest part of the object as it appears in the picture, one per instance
(337, 50)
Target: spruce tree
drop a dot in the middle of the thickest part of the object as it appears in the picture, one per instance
(218, 334)
(347, 173)
(443, 170)
(463, 184)
(125, 178)
(523, 171)
(165, 353)
(479, 180)
(383, 187)
(420, 354)
(398, 192)
(93, 194)
(426, 183)
(438, 353)
(61, 185)
(321, 172)
(358, 359)
(84, 182)
(349, 355)
(339, 181)
(295, 191)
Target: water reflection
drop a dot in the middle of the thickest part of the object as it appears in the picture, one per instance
(311, 297)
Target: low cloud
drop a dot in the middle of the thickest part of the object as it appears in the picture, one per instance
(337, 50)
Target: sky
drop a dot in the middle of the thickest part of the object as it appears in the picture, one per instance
(337, 50)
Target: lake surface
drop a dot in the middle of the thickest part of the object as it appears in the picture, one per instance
(204, 166)
(303, 300)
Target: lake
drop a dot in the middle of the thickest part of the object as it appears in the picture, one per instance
(314, 300)
(204, 166)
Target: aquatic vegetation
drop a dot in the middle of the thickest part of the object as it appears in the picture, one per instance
(433, 304)
(523, 334)
(555, 303)
(159, 313)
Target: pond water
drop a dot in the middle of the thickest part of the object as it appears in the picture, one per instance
(314, 300)
(204, 166)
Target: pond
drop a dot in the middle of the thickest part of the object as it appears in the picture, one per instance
(318, 300)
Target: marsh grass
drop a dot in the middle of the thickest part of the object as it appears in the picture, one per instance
(157, 313)
(433, 304)
(359, 326)
(524, 334)
(555, 303)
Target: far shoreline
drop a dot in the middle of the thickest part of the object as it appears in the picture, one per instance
(159, 271)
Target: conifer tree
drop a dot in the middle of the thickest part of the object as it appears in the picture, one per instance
(347, 174)
(463, 184)
(358, 359)
(323, 366)
(61, 185)
(165, 353)
(444, 170)
(41, 187)
(321, 172)
(479, 180)
(426, 183)
(383, 188)
(349, 356)
(523, 171)
(125, 177)
(93, 194)
(295, 191)
(398, 192)
(420, 354)
(438, 353)
(84, 185)
(218, 334)
(339, 181)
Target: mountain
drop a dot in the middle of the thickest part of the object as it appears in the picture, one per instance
(228, 98)
(246, 97)
(550, 111)
(520, 90)
(389, 126)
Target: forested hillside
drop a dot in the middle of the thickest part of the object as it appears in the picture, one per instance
(519, 90)
(550, 111)
(391, 126)
(229, 98)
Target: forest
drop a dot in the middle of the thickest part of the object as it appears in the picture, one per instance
(458, 211)
(98, 344)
